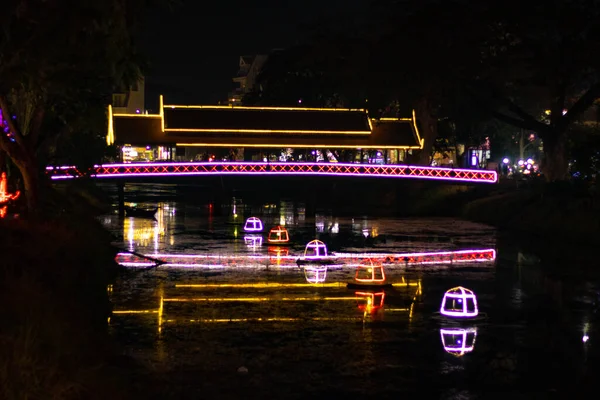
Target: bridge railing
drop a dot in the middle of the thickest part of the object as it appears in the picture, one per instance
(133, 170)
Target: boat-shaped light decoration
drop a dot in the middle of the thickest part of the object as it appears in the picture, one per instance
(253, 241)
(253, 224)
(315, 249)
(278, 235)
(459, 302)
(370, 302)
(370, 273)
(458, 341)
(315, 274)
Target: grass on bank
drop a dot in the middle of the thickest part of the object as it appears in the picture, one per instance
(53, 287)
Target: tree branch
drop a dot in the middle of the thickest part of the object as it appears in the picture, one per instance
(525, 121)
(36, 126)
(580, 106)
(8, 120)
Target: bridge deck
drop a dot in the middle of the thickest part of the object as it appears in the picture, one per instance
(133, 170)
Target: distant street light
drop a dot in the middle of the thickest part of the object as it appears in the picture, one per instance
(506, 160)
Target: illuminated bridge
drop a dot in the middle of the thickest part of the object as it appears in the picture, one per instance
(204, 140)
(182, 169)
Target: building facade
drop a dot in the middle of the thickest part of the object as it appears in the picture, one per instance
(250, 67)
(238, 133)
(130, 101)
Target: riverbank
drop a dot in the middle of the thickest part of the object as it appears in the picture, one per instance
(53, 289)
(556, 213)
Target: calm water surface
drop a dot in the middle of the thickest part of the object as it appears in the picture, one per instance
(229, 325)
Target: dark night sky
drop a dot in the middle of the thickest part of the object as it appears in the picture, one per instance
(194, 50)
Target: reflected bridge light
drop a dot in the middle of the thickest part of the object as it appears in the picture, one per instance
(253, 224)
(459, 302)
(315, 274)
(315, 249)
(458, 341)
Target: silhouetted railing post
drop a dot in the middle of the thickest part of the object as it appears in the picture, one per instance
(121, 198)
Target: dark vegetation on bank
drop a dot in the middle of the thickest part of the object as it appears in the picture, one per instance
(54, 274)
(562, 212)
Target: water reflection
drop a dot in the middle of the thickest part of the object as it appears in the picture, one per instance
(458, 341)
(267, 302)
(315, 274)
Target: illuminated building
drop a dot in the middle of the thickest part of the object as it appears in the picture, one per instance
(458, 341)
(238, 133)
(253, 224)
(459, 302)
(278, 235)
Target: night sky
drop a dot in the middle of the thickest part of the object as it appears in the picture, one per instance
(194, 49)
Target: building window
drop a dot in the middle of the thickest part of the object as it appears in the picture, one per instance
(119, 100)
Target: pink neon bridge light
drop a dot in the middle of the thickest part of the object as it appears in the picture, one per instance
(285, 260)
(132, 170)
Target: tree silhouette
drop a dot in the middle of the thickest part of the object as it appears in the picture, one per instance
(59, 63)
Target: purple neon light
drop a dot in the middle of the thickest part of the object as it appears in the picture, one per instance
(462, 295)
(315, 274)
(253, 224)
(199, 260)
(278, 168)
(457, 341)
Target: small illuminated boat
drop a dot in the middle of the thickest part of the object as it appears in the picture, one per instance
(253, 225)
(315, 253)
(369, 277)
(278, 236)
(459, 302)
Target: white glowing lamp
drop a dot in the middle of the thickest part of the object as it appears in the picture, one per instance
(314, 274)
(253, 240)
(315, 249)
(459, 302)
(278, 235)
(370, 273)
(253, 224)
(458, 341)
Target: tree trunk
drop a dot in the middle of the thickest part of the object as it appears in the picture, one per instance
(428, 129)
(31, 181)
(555, 166)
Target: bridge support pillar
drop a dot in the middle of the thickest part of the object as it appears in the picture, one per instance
(121, 198)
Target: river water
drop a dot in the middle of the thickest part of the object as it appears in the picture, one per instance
(230, 317)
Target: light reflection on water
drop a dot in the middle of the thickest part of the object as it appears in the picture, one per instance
(273, 319)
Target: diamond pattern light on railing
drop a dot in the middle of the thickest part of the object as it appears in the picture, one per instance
(133, 170)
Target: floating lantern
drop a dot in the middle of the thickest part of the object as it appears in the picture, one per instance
(370, 273)
(374, 301)
(315, 274)
(278, 235)
(315, 249)
(457, 341)
(253, 241)
(253, 224)
(459, 302)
